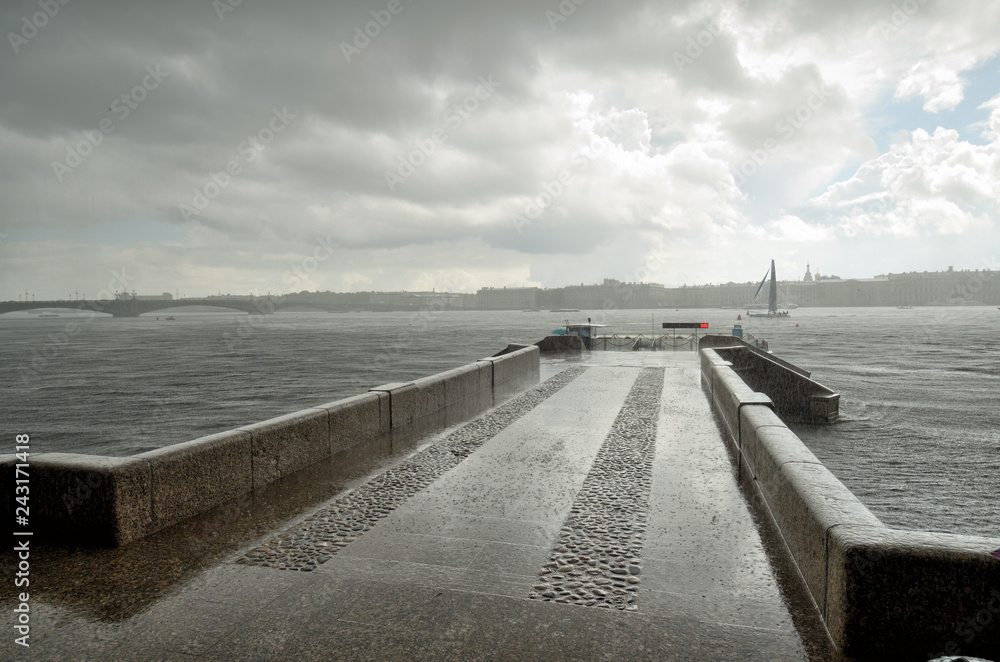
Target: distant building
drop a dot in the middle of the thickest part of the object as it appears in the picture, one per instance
(129, 296)
(508, 298)
(231, 297)
(951, 287)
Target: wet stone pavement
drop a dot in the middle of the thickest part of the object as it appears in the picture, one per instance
(607, 485)
(597, 559)
(342, 522)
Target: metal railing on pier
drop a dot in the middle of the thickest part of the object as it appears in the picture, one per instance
(751, 339)
(641, 342)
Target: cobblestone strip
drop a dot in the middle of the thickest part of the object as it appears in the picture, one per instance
(596, 560)
(343, 520)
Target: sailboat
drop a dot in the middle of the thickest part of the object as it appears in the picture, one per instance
(772, 298)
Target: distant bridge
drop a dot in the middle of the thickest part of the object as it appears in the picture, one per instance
(136, 307)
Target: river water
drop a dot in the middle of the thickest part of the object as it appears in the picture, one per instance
(918, 440)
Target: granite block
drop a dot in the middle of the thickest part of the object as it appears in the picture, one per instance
(709, 359)
(106, 500)
(287, 443)
(356, 419)
(461, 383)
(729, 393)
(410, 436)
(534, 353)
(806, 501)
(430, 394)
(767, 444)
(514, 387)
(384, 411)
(404, 405)
(910, 594)
(485, 375)
(504, 368)
(526, 360)
(194, 476)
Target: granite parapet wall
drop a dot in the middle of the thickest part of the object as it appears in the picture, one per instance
(115, 500)
(795, 395)
(883, 593)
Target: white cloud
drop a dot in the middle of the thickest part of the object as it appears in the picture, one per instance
(932, 184)
(939, 82)
(792, 228)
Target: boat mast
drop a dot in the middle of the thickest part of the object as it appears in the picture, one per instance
(772, 299)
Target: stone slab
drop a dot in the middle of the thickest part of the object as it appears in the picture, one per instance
(107, 500)
(767, 444)
(503, 368)
(404, 404)
(730, 393)
(430, 394)
(485, 375)
(530, 471)
(196, 475)
(807, 502)
(461, 383)
(703, 557)
(288, 443)
(357, 419)
(908, 594)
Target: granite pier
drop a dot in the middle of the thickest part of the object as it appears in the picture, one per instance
(599, 510)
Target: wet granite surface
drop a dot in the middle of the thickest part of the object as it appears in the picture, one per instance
(597, 559)
(324, 533)
(446, 574)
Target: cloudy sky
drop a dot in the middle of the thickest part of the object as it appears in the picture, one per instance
(243, 146)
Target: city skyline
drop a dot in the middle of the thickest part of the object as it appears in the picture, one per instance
(450, 145)
(78, 295)
(948, 287)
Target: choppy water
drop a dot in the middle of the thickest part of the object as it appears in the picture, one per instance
(919, 439)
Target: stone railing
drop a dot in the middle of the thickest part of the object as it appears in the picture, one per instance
(114, 500)
(883, 593)
(796, 396)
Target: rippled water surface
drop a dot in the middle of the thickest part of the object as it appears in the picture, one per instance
(919, 439)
